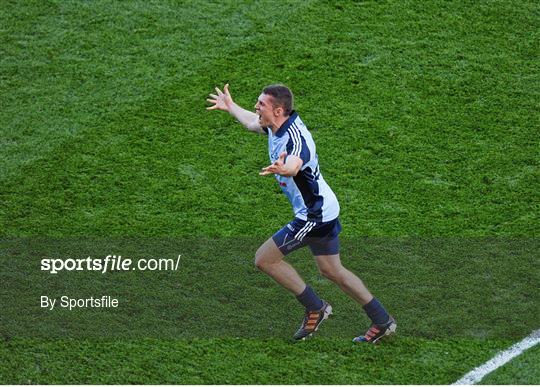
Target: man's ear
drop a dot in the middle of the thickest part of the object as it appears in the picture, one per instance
(278, 111)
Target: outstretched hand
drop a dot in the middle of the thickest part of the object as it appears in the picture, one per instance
(221, 101)
(277, 166)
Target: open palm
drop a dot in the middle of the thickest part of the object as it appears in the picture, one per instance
(221, 101)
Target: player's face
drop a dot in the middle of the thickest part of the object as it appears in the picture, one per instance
(265, 109)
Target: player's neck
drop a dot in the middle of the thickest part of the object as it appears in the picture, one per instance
(276, 124)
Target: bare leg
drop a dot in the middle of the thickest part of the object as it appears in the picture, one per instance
(330, 266)
(270, 260)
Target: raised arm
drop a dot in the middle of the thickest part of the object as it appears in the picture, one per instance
(223, 101)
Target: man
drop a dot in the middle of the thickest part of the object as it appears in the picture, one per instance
(294, 163)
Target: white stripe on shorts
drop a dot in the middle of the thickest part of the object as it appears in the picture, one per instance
(304, 230)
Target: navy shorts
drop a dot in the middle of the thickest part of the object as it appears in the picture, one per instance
(322, 238)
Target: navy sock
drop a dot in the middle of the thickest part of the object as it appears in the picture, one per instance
(310, 299)
(376, 312)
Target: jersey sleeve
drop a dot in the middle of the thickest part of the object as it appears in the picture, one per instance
(297, 146)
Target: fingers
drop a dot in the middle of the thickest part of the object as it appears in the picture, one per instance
(271, 169)
(266, 171)
(219, 92)
(218, 99)
(214, 106)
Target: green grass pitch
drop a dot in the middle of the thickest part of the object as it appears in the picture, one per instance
(425, 116)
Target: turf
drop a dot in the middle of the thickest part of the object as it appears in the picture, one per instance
(521, 370)
(242, 361)
(424, 117)
(105, 127)
(436, 288)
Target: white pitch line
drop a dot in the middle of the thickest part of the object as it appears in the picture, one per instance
(500, 359)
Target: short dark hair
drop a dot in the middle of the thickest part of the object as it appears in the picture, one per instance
(282, 97)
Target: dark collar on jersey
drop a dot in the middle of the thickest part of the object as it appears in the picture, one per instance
(283, 128)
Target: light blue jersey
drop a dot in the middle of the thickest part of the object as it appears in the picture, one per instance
(311, 197)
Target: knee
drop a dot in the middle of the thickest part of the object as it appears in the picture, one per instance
(330, 272)
(260, 261)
